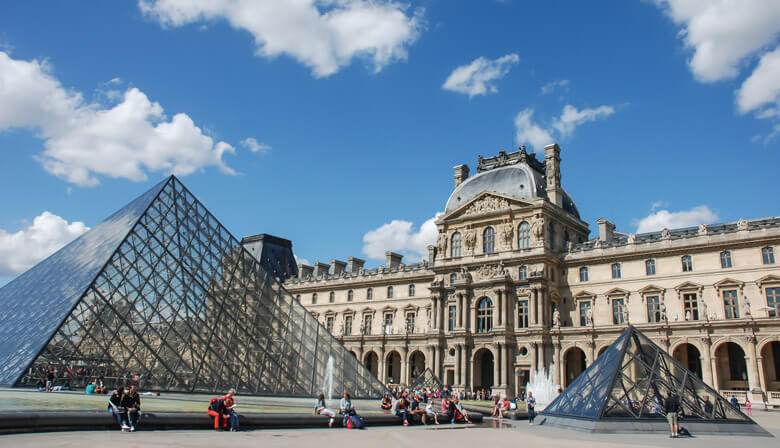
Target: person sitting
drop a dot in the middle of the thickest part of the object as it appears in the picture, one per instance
(320, 408)
(345, 408)
(41, 384)
(230, 404)
(496, 407)
(430, 413)
(90, 389)
(402, 409)
(387, 403)
(459, 409)
(219, 411)
(132, 404)
(116, 409)
(416, 409)
(503, 407)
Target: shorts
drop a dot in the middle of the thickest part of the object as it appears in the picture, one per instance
(671, 417)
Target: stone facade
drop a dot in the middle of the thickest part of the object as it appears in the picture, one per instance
(514, 285)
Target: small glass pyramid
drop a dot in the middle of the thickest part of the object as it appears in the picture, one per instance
(426, 380)
(161, 295)
(630, 381)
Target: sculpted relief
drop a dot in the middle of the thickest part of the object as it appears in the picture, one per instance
(491, 271)
(486, 204)
(506, 234)
(470, 241)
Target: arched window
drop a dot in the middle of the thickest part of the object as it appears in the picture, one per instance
(350, 296)
(332, 297)
(314, 299)
(489, 241)
(389, 292)
(522, 273)
(524, 235)
(584, 274)
(369, 293)
(650, 267)
(484, 315)
(455, 245)
(725, 259)
(411, 290)
(687, 263)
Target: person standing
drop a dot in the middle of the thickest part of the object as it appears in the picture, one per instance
(530, 405)
(734, 402)
(748, 407)
(672, 409)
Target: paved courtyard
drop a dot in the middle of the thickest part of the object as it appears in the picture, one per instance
(457, 436)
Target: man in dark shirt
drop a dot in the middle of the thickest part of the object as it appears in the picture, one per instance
(672, 409)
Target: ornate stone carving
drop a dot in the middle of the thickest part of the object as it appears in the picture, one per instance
(492, 271)
(666, 234)
(470, 240)
(631, 238)
(485, 205)
(746, 307)
(556, 318)
(703, 229)
(507, 233)
(742, 224)
(441, 244)
(537, 228)
(463, 274)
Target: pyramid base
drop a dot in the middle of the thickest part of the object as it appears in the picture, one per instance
(652, 426)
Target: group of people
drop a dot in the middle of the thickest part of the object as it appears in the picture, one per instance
(406, 404)
(351, 418)
(223, 410)
(502, 406)
(125, 407)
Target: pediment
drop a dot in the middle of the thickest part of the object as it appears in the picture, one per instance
(728, 282)
(484, 203)
(767, 279)
(617, 292)
(651, 288)
(687, 285)
(584, 294)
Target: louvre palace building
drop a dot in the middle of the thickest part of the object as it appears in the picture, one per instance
(517, 284)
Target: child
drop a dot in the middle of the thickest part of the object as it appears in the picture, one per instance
(748, 407)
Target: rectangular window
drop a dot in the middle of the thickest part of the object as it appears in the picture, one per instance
(687, 263)
(347, 325)
(653, 309)
(388, 323)
(650, 267)
(522, 273)
(583, 274)
(329, 323)
(616, 270)
(618, 305)
(452, 310)
(522, 313)
(773, 303)
(725, 259)
(368, 321)
(410, 322)
(691, 306)
(584, 308)
(768, 254)
(731, 304)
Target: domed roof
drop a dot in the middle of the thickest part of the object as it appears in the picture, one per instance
(518, 181)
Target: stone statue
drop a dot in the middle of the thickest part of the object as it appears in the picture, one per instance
(471, 239)
(688, 315)
(746, 307)
(631, 238)
(625, 314)
(666, 234)
(441, 243)
(537, 228)
(556, 318)
(507, 232)
(589, 316)
(703, 229)
(742, 224)
(662, 309)
(704, 310)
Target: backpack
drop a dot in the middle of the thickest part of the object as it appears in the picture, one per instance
(356, 422)
(215, 404)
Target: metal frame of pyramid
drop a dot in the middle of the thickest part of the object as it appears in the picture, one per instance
(625, 388)
(427, 380)
(161, 295)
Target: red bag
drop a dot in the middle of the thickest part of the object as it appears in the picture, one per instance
(349, 421)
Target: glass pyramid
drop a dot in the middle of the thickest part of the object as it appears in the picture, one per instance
(426, 380)
(161, 295)
(629, 381)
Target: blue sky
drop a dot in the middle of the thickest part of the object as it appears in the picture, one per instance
(666, 113)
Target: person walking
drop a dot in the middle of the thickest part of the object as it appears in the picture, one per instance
(672, 409)
(320, 408)
(530, 405)
(748, 407)
(734, 402)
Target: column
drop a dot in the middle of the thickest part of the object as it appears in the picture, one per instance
(592, 352)
(532, 355)
(434, 324)
(499, 308)
(460, 310)
(457, 365)
(381, 366)
(714, 364)
(706, 365)
(557, 371)
(497, 365)
(752, 365)
(404, 366)
(506, 368)
(532, 306)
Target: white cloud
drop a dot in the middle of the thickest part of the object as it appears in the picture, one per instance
(763, 86)
(725, 37)
(252, 145)
(324, 35)
(479, 77)
(21, 250)
(658, 204)
(571, 118)
(551, 86)
(302, 260)
(400, 236)
(84, 140)
(527, 131)
(664, 219)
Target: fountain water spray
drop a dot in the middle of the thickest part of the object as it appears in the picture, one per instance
(329, 378)
(543, 387)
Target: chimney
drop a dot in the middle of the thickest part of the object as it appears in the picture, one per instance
(552, 168)
(461, 174)
(320, 269)
(606, 230)
(337, 267)
(304, 271)
(431, 253)
(355, 265)
(393, 260)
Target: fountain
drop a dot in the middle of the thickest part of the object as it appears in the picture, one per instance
(328, 384)
(543, 388)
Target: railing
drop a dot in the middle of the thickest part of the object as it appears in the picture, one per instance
(774, 395)
(740, 394)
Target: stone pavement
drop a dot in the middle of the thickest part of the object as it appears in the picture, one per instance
(394, 437)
